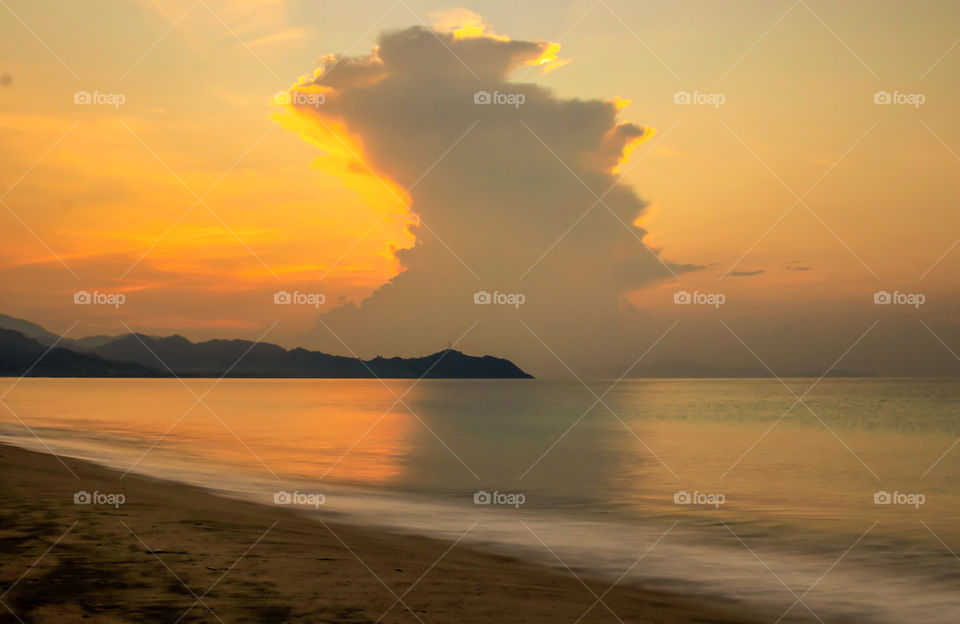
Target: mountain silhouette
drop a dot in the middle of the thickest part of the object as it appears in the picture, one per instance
(21, 356)
(139, 355)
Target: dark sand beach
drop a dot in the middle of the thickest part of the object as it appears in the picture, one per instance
(176, 553)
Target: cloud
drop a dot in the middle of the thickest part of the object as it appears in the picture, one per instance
(746, 273)
(500, 183)
(799, 268)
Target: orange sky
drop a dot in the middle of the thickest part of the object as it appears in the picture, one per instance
(102, 197)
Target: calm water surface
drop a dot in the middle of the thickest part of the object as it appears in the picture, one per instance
(797, 481)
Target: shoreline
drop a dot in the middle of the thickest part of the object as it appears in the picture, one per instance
(168, 544)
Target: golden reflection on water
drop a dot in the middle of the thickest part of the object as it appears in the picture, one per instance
(670, 436)
(341, 430)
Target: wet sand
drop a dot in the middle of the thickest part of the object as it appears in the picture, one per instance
(176, 553)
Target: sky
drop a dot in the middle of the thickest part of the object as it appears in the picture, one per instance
(780, 162)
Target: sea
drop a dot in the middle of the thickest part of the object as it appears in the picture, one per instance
(833, 500)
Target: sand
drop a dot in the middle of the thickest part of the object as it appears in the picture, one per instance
(176, 553)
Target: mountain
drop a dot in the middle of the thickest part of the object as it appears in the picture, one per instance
(47, 338)
(139, 355)
(20, 355)
(28, 329)
(243, 358)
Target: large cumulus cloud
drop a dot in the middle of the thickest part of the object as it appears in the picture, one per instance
(490, 206)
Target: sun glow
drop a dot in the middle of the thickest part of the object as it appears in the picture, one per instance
(548, 59)
(344, 157)
(465, 24)
(630, 147)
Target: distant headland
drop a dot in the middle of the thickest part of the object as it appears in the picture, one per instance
(27, 349)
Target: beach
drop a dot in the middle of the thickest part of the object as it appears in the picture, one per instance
(172, 552)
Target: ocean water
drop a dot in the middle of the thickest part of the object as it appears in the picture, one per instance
(840, 506)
